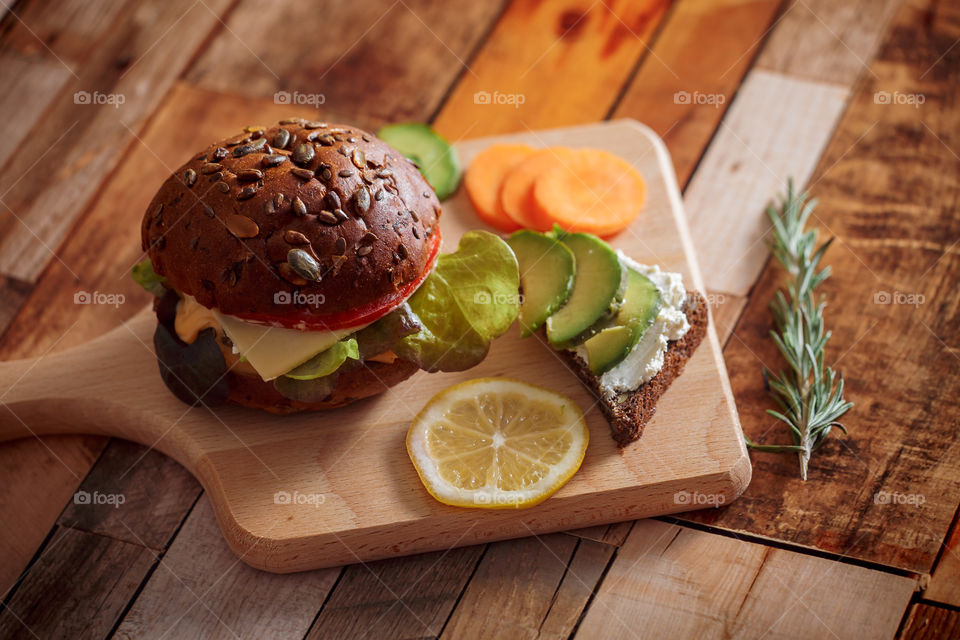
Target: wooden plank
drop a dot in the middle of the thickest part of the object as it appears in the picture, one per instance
(725, 310)
(681, 94)
(548, 65)
(389, 61)
(511, 592)
(612, 534)
(660, 585)
(929, 622)
(944, 584)
(66, 33)
(80, 139)
(31, 85)
(584, 573)
(888, 492)
(776, 127)
(132, 499)
(827, 40)
(39, 477)
(201, 590)
(13, 293)
(156, 495)
(401, 598)
(90, 577)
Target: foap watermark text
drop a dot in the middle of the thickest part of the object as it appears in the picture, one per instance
(97, 498)
(286, 497)
(97, 98)
(899, 297)
(299, 98)
(698, 98)
(98, 297)
(698, 499)
(497, 98)
(299, 298)
(897, 498)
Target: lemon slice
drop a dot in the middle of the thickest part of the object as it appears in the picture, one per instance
(497, 443)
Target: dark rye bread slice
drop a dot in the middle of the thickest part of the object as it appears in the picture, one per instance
(629, 412)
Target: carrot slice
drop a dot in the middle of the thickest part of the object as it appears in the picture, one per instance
(484, 177)
(594, 191)
(516, 194)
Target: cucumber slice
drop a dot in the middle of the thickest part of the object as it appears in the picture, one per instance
(641, 303)
(546, 276)
(596, 288)
(433, 155)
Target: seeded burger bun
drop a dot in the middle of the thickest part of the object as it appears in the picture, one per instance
(301, 211)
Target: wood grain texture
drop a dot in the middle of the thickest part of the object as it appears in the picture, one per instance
(13, 293)
(550, 64)
(39, 478)
(725, 310)
(201, 590)
(944, 584)
(510, 594)
(660, 586)
(32, 83)
(375, 507)
(120, 518)
(402, 598)
(776, 128)
(929, 622)
(585, 570)
(156, 494)
(683, 96)
(90, 577)
(369, 62)
(825, 40)
(613, 534)
(81, 139)
(65, 33)
(888, 192)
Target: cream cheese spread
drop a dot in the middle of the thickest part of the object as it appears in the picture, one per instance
(646, 358)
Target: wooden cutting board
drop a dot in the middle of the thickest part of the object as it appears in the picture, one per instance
(324, 489)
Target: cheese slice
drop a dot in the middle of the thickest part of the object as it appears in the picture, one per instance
(273, 351)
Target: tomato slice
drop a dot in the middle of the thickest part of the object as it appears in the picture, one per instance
(306, 321)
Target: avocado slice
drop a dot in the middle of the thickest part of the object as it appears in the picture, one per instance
(546, 276)
(641, 303)
(597, 285)
(432, 154)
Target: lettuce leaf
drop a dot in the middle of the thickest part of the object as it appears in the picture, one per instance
(470, 298)
(146, 277)
(326, 362)
(383, 334)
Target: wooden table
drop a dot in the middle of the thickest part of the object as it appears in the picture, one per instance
(859, 101)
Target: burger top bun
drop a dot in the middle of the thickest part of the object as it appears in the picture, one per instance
(300, 220)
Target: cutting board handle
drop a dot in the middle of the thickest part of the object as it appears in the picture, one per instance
(89, 389)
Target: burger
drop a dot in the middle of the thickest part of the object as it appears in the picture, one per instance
(291, 267)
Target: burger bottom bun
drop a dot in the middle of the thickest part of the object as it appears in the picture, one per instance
(369, 380)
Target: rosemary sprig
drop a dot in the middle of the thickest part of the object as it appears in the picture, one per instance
(809, 394)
